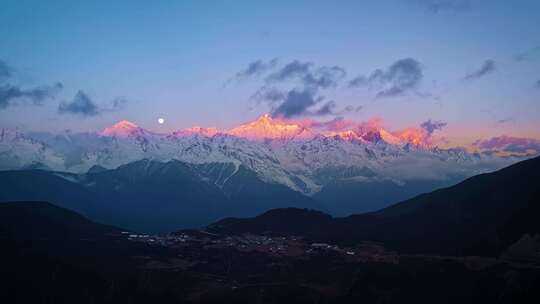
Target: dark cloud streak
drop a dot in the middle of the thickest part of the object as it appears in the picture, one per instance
(256, 68)
(81, 105)
(309, 76)
(325, 77)
(508, 145)
(401, 77)
(528, 55)
(432, 126)
(439, 6)
(505, 120)
(307, 81)
(14, 95)
(291, 70)
(296, 103)
(327, 108)
(268, 94)
(489, 66)
(5, 71)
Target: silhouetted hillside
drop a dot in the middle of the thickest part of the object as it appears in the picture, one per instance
(286, 221)
(42, 220)
(153, 196)
(53, 255)
(480, 216)
(73, 260)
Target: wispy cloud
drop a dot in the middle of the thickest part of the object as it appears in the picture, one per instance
(489, 66)
(508, 145)
(294, 69)
(12, 95)
(310, 76)
(528, 54)
(299, 102)
(432, 126)
(257, 67)
(399, 78)
(268, 94)
(294, 89)
(82, 105)
(117, 104)
(328, 108)
(5, 71)
(296, 103)
(505, 120)
(440, 6)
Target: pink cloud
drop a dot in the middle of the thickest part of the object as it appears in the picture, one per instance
(508, 145)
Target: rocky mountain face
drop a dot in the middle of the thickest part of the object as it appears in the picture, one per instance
(367, 169)
(278, 151)
(154, 196)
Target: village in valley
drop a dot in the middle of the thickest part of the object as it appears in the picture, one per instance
(272, 246)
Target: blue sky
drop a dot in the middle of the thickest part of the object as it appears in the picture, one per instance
(179, 60)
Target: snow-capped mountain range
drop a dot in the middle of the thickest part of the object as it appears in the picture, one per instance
(282, 152)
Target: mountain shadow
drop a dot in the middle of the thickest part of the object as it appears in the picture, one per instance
(152, 196)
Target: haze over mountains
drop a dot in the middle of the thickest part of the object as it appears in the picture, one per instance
(154, 196)
(354, 170)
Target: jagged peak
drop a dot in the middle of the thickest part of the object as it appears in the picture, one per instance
(347, 135)
(266, 127)
(124, 124)
(122, 128)
(389, 137)
(196, 130)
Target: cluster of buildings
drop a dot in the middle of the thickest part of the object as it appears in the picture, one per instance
(271, 245)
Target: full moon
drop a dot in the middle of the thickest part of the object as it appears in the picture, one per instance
(161, 121)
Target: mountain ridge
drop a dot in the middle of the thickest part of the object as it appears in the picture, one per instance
(153, 196)
(482, 215)
(367, 168)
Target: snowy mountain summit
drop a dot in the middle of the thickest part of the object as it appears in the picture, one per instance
(297, 155)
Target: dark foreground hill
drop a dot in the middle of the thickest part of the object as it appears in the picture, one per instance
(42, 220)
(153, 196)
(52, 255)
(482, 215)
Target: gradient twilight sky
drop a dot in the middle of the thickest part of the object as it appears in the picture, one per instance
(479, 61)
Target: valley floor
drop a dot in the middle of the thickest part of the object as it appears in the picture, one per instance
(200, 267)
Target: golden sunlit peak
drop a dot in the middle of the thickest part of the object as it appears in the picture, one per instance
(266, 127)
(389, 137)
(265, 116)
(265, 119)
(122, 128)
(415, 136)
(345, 135)
(125, 124)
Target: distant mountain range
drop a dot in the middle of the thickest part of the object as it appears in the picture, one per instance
(348, 172)
(474, 242)
(154, 196)
(482, 215)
